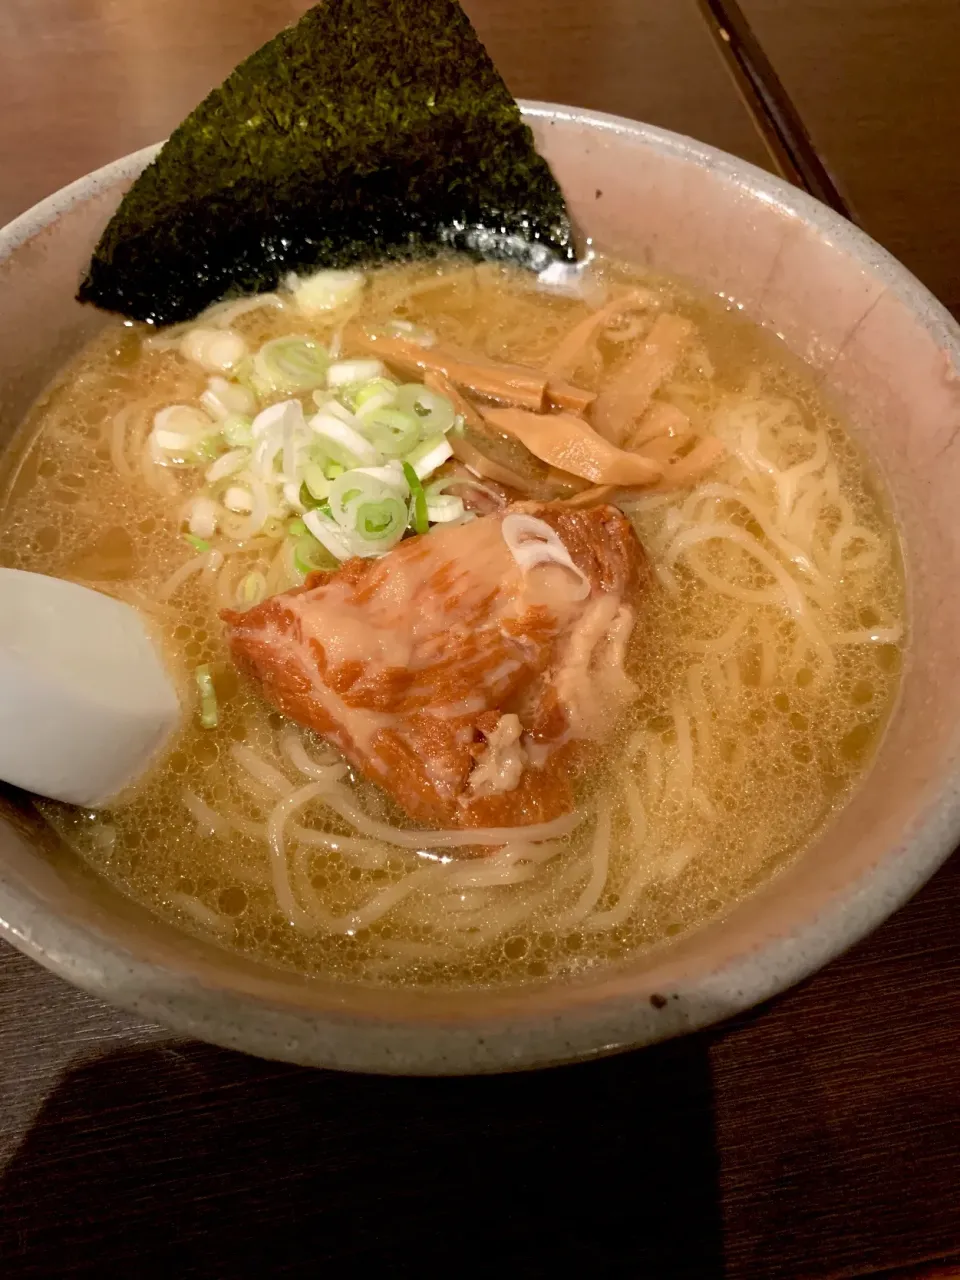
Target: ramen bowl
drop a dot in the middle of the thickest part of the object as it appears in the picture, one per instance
(880, 346)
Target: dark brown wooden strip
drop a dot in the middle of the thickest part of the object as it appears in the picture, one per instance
(765, 97)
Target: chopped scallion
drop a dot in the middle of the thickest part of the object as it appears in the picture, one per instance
(311, 556)
(290, 364)
(378, 521)
(420, 522)
(393, 431)
(209, 711)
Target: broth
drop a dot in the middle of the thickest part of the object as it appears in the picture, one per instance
(751, 725)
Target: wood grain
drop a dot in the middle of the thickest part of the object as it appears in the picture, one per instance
(85, 81)
(877, 85)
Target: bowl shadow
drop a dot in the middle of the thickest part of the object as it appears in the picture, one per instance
(190, 1160)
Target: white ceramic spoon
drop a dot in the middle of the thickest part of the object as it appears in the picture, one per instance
(85, 700)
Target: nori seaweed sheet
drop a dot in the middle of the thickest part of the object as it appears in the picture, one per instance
(370, 130)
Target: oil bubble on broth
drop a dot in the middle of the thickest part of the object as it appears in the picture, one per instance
(766, 660)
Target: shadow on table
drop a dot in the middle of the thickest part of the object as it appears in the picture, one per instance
(189, 1160)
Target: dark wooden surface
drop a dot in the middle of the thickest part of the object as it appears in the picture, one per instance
(877, 83)
(817, 1136)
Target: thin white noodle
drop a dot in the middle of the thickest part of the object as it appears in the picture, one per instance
(482, 877)
(286, 808)
(788, 549)
(198, 564)
(362, 852)
(643, 873)
(865, 560)
(205, 817)
(704, 804)
(118, 442)
(155, 477)
(683, 774)
(731, 669)
(768, 652)
(715, 670)
(678, 860)
(261, 770)
(386, 899)
(702, 716)
(222, 314)
(638, 815)
(599, 863)
(655, 768)
(261, 792)
(874, 635)
(722, 643)
(792, 594)
(200, 912)
(339, 800)
(525, 852)
(292, 747)
(788, 480)
(470, 901)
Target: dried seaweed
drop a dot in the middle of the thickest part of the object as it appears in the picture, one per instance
(370, 130)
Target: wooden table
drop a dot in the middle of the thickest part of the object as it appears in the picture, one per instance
(818, 1136)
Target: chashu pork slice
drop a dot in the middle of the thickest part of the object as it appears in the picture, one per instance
(470, 672)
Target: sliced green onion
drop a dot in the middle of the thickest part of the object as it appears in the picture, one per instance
(444, 508)
(372, 507)
(252, 588)
(431, 454)
(410, 332)
(180, 432)
(228, 464)
(344, 372)
(435, 412)
(393, 432)
(238, 498)
(296, 528)
(334, 469)
(317, 483)
(223, 399)
(335, 407)
(290, 364)
(381, 390)
(325, 290)
(215, 350)
(379, 521)
(209, 712)
(199, 544)
(420, 521)
(307, 499)
(326, 530)
(311, 556)
(342, 442)
(207, 448)
(236, 430)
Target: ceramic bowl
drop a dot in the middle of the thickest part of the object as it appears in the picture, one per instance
(879, 343)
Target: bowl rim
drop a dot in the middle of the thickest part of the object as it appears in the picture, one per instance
(102, 966)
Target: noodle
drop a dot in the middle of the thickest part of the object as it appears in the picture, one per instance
(285, 809)
(599, 861)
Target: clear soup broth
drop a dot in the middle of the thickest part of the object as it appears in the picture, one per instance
(766, 658)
